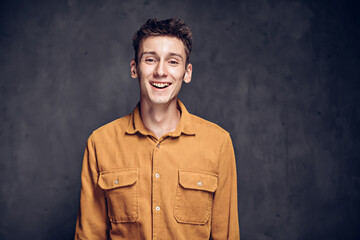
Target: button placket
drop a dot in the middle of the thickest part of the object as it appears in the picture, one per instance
(156, 216)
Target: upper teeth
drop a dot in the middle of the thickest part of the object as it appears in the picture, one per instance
(160, 84)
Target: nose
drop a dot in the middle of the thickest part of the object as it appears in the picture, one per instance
(160, 70)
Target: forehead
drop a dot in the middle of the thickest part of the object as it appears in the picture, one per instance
(163, 45)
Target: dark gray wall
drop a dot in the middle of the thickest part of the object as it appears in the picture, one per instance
(281, 76)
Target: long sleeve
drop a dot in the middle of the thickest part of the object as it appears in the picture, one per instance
(225, 223)
(92, 222)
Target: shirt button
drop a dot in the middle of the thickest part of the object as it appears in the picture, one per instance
(116, 182)
(157, 175)
(158, 145)
(199, 184)
(157, 208)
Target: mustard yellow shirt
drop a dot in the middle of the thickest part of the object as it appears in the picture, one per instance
(181, 186)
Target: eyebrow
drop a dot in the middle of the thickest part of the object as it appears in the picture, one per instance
(176, 55)
(154, 53)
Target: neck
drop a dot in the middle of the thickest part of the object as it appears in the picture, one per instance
(160, 118)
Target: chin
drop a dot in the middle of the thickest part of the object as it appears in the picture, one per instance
(161, 100)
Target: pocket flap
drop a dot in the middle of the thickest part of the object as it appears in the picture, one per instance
(117, 178)
(198, 180)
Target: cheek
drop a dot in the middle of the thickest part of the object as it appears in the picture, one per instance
(178, 75)
(141, 72)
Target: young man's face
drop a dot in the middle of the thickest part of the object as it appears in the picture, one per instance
(161, 69)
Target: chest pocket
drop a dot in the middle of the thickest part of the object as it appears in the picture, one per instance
(194, 197)
(121, 190)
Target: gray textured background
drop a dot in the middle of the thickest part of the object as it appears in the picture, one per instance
(281, 76)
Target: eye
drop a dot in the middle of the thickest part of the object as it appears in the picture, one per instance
(150, 60)
(173, 62)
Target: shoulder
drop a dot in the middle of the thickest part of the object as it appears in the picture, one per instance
(207, 128)
(209, 136)
(111, 129)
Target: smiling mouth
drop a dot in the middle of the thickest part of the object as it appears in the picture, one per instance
(160, 85)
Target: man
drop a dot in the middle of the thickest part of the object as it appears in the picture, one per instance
(160, 172)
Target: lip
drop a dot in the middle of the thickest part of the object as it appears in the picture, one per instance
(159, 85)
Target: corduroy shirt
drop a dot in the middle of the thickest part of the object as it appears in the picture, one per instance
(136, 186)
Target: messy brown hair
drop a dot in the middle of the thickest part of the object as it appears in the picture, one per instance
(169, 27)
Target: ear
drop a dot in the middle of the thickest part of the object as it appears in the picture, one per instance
(133, 70)
(188, 73)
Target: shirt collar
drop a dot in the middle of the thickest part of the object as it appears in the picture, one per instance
(136, 125)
